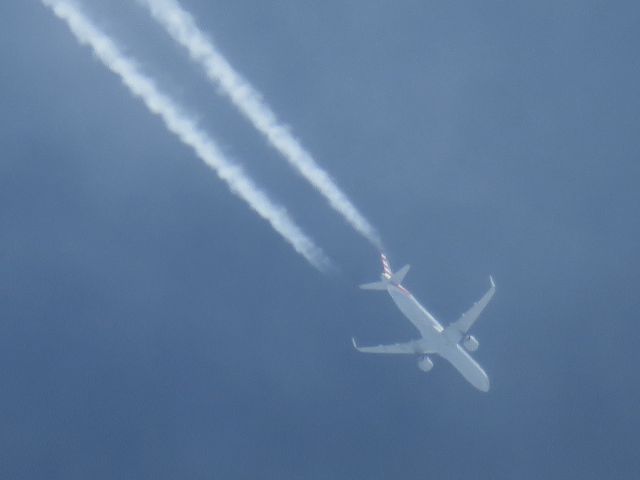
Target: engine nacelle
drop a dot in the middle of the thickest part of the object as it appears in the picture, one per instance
(470, 343)
(425, 363)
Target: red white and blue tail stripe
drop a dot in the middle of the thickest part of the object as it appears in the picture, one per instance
(388, 277)
(386, 266)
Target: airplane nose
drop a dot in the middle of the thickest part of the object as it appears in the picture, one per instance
(484, 384)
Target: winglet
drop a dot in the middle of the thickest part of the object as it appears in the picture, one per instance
(493, 284)
(353, 341)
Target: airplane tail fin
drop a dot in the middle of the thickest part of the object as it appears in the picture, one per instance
(388, 277)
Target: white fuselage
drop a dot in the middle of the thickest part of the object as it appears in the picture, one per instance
(435, 338)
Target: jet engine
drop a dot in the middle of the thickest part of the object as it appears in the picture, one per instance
(470, 343)
(425, 363)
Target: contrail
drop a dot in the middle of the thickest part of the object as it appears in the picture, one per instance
(182, 28)
(178, 123)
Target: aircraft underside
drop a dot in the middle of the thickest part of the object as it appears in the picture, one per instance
(452, 343)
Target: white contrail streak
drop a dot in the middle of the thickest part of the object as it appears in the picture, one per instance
(178, 123)
(182, 28)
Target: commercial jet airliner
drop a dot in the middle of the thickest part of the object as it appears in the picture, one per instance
(452, 343)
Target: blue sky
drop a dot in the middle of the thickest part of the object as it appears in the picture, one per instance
(152, 326)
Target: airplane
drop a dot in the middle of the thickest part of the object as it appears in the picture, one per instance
(453, 343)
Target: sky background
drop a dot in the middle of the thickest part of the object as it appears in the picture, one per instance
(152, 326)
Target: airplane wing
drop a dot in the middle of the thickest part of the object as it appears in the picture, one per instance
(468, 318)
(402, 348)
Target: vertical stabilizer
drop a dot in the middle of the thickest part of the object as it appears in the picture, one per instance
(387, 276)
(386, 266)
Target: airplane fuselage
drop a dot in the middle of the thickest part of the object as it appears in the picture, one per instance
(435, 340)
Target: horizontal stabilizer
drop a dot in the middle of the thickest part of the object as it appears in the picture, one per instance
(374, 286)
(398, 277)
(410, 348)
